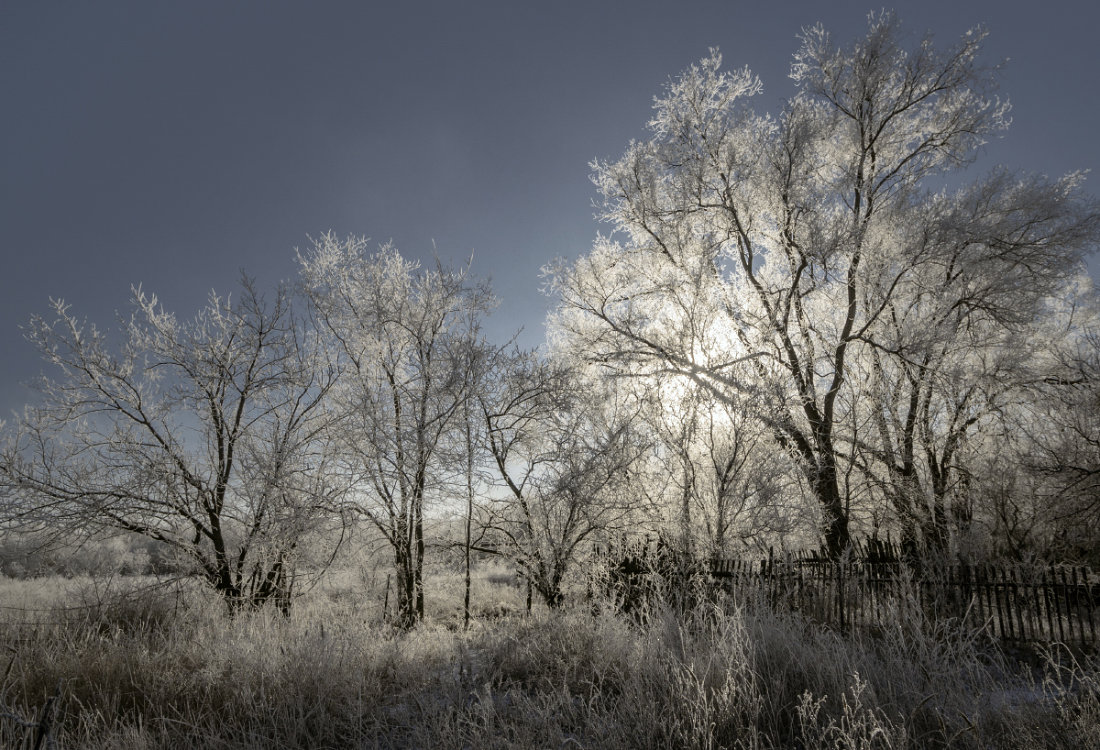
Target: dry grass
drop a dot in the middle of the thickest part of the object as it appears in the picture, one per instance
(179, 673)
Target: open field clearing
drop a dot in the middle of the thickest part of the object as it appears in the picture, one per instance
(168, 670)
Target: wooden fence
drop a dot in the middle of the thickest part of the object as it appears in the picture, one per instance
(1016, 603)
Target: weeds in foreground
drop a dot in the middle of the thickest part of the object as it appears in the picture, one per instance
(718, 676)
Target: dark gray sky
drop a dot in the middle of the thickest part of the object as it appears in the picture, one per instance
(172, 144)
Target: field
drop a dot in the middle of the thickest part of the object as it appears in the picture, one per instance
(137, 665)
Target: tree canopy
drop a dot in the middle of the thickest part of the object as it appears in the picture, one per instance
(769, 257)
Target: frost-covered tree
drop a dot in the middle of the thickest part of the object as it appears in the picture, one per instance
(563, 451)
(719, 483)
(763, 256)
(406, 338)
(208, 435)
(1042, 498)
(956, 344)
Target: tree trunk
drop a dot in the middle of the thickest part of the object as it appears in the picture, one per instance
(685, 505)
(551, 592)
(827, 489)
(418, 568)
(469, 513)
(406, 591)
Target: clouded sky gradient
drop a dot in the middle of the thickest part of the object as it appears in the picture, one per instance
(173, 144)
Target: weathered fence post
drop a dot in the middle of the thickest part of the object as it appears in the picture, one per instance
(1069, 602)
(1055, 595)
(1090, 603)
(45, 720)
(840, 593)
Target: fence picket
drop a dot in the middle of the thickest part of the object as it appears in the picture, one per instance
(995, 590)
(1016, 607)
(966, 590)
(1007, 578)
(980, 596)
(1090, 604)
(1073, 601)
(1049, 635)
(1035, 614)
(1058, 596)
(1066, 593)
